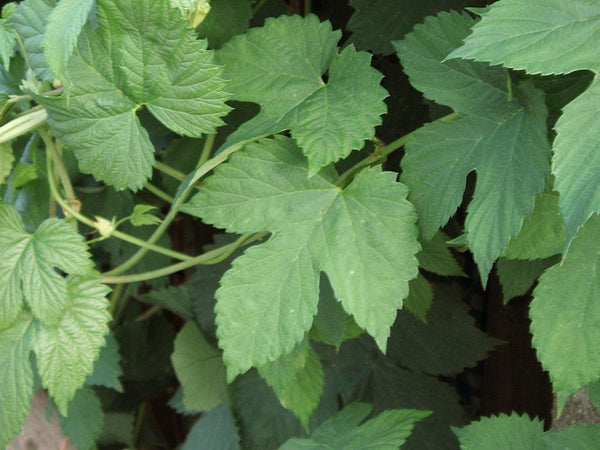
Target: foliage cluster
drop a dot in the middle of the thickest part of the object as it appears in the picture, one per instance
(329, 310)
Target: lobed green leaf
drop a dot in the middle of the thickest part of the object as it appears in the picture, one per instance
(503, 140)
(282, 67)
(28, 268)
(141, 53)
(362, 237)
(66, 352)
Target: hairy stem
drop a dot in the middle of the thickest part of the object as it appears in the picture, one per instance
(208, 258)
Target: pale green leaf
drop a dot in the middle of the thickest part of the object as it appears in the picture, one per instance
(29, 20)
(107, 368)
(387, 431)
(446, 344)
(174, 298)
(16, 378)
(565, 314)
(559, 38)
(539, 36)
(84, 423)
(376, 23)
(199, 369)
(420, 297)
(6, 162)
(29, 263)
(225, 19)
(215, 430)
(435, 257)
(518, 276)
(8, 40)
(141, 53)
(543, 233)
(282, 67)
(510, 432)
(576, 159)
(65, 23)
(141, 217)
(504, 141)
(66, 352)
(268, 298)
(297, 380)
(465, 86)
(581, 436)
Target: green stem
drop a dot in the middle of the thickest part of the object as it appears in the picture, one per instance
(115, 296)
(212, 257)
(258, 6)
(158, 192)
(59, 165)
(207, 149)
(381, 154)
(307, 7)
(23, 124)
(170, 171)
(71, 212)
(179, 200)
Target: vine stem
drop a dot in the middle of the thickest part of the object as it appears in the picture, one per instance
(208, 258)
(168, 170)
(381, 154)
(53, 157)
(188, 184)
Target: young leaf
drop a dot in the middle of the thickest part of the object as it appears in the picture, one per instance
(215, 429)
(65, 23)
(122, 65)
(297, 380)
(16, 377)
(558, 38)
(565, 314)
(107, 369)
(282, 67)
(200, 370)
(503, 431)
(446, 344)
(362, 237)
(84, 423)
(29, 263)
(8, 40)
(29, 21)
(141, 217)
(391, 19)
(66, 352)
(503, 140)
(387, 431)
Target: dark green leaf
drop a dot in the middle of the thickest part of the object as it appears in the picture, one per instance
(84, 423)
(215, 430)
